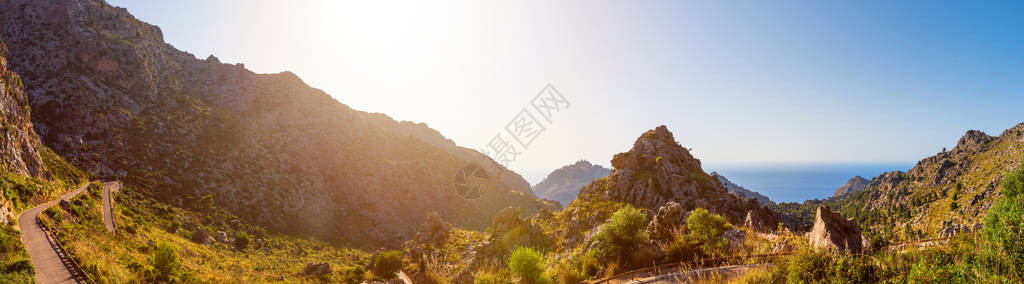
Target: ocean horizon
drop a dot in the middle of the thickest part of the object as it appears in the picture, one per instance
(797, 182)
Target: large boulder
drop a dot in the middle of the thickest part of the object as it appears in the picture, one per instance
(669, 217)
(834, 233)
(316, 269)
(222, 236)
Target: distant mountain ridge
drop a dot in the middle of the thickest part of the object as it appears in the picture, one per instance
(563, 184)
(740, 191)
(855, 184)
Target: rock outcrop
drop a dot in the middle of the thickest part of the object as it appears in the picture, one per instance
(111, 96)
(834, 233)
(564, 184)
(655, 172)
(669, 218)
(740, 191)
(855, 184)
(754, 222)
(19, 144)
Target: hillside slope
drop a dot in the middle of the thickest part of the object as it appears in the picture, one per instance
(563, 184)
(949, 191)
(740, 191)
(855, 184)
(114, 98)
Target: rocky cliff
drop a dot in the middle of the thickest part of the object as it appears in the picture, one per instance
(740, 191)
(113, 97)
(656, 171)
(855, 184)
(563, 184)
(19, 144)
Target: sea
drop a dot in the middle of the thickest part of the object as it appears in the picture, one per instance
(797, 182)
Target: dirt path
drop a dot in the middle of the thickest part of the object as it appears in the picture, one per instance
(51, 265)
(108, 215)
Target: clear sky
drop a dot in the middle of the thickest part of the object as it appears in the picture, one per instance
(740, 82)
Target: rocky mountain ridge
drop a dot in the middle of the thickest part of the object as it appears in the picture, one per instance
(740, 191)
(656, 172)
(110, 95)
(563, 184)
(855, 184)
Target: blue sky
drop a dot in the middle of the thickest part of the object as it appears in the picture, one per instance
(740, 82)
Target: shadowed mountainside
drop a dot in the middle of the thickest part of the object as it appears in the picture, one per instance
(115, 99)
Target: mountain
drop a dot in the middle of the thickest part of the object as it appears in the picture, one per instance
(740, 191)
(656, 171)
(563, 184)
(111, 96)
(855, 184)
(948, 191)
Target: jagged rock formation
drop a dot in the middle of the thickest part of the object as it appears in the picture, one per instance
(668, 218)
(563, 184)
(110, 95)
(755, 223)
(740, 191)
(855, 184)
(656, 171)
(19, 144)
(955, 186)
(834, 233)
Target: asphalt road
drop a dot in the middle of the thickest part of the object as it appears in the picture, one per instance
(51, 265)
(108, 215)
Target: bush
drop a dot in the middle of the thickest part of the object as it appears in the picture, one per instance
(706, 230)
(387, 263)
(527, 264)
(620, 236)
(1002, 232)
(165, 262)
(242, 240)
(353, 275)
(806, 266)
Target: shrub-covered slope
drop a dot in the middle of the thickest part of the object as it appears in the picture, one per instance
(942, 194)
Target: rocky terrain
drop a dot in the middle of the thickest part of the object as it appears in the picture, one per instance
(948, 192)
(110, 95)
(657, 172)
(19, 144)
(740, 191)
(563, 184)
(855, 184)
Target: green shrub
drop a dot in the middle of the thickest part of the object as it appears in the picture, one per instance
(165, 262)
(1003, 232)
(527, 264)
(353, 275)
(706, 230)
(806, 266)
(682, 248)
(625, 230)
(387, 263)
(242, 240)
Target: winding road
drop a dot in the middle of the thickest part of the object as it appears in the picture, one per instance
(108, 216)
(52, 266)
